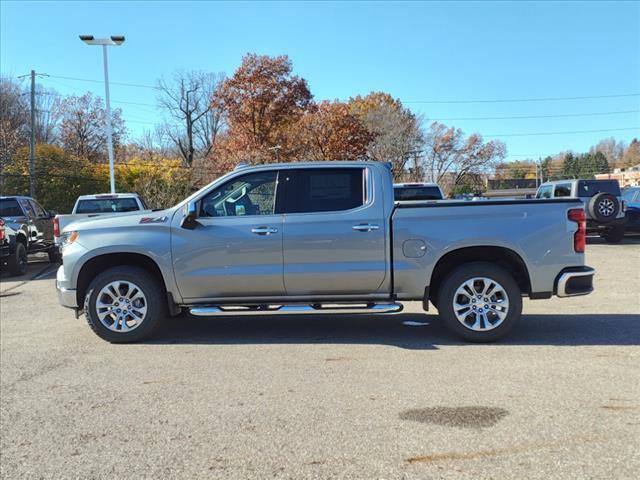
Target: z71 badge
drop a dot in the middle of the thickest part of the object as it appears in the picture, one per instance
(153, 219)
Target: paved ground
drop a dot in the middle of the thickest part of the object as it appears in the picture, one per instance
(347, 397)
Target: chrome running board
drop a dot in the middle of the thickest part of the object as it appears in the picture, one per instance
(219, 310)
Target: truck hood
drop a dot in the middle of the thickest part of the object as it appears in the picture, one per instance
(121, 220)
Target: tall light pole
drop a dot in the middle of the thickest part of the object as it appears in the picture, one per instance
(113, 41)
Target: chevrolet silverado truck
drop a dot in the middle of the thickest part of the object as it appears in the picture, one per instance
(322, 238)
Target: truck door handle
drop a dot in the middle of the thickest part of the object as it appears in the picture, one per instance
(365, 227)
(264, 230)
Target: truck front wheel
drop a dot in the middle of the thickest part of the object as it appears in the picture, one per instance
(125, 304)
(480, 302)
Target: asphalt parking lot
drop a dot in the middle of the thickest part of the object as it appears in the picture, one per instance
(340, 397)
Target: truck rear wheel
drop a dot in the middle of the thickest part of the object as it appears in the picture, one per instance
(18, 260)
(480, 302)
(614, 235)
(125, 304)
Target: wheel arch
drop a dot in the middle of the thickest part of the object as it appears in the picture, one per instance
(502, 256)
(99, 263)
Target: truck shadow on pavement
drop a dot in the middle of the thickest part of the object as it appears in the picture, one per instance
(561, 330)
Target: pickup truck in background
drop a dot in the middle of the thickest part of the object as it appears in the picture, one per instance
(33, 227)
(89, 206)
(322, 238)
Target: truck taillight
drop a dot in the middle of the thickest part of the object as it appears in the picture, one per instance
(1, 230)
(56, 227)
(580, 237)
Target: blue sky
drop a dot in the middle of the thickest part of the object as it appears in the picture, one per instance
(418, 52)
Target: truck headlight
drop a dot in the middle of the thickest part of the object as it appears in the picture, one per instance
(69, 237)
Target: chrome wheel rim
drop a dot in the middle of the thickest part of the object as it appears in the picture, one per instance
(481, 304)
(121, 306)
(606, 207)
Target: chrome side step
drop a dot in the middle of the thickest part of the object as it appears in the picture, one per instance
(219, 310)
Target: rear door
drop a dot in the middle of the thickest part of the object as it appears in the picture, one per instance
(334, 232)
(43, 223)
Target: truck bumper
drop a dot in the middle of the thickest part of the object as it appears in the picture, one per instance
(574, 281)
(66, 295)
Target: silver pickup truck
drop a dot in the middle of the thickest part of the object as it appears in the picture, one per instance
(322, 238)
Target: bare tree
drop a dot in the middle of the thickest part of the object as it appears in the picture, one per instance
(82, 127)
(613, 150)
(14, 119)
(449, 152)
(48, 114)
(192, 123)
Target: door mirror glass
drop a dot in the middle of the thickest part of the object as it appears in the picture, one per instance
(189, 219)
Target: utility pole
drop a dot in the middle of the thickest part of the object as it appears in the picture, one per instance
(32, 139)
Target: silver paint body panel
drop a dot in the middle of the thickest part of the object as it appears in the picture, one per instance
(320, 256)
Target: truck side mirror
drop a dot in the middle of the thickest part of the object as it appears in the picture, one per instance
(189, 221)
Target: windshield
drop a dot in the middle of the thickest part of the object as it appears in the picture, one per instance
(430, 192)
(107, 205)
(9, 208)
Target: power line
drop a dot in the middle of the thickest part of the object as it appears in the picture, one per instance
(137, 85)
(516, 117)
(517, 100)
(562, 133)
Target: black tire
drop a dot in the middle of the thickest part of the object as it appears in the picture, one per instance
(54, 255)
(155, 303)
(614, 235)
(466, 272)
(603, 207)
(18, 261)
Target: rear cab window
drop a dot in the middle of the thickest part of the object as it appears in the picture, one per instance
(311, 190)
(428, 192)
(107, 205)
(589, 188)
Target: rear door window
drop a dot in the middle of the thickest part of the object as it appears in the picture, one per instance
(588, 188)
(562, 190)
(324, 190)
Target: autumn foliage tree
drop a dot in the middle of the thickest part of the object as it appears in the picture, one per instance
(329, 131)
(262, 102)
(396, 131)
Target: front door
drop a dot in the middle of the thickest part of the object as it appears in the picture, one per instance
(334, 233)
(236, 248)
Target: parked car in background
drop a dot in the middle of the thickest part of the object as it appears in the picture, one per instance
(322, 238)
(89, 206)
(417, 191)
(13, 253)
(34, 224)
(602, 201)
(631, 197)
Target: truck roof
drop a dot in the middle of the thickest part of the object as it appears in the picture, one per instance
(97, 196)
(322, 163)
